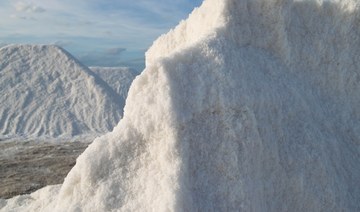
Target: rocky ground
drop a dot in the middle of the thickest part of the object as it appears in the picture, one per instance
(28, 166)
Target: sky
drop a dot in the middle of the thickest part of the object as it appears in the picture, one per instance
(97, 32)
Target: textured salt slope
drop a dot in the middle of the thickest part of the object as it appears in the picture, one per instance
(119, 78)
(248, 105)
(47, 92)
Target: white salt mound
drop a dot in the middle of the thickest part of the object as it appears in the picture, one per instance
(47, 92)
(249, 105)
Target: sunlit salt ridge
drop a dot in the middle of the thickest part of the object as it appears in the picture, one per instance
(246, 106)
(48, 93)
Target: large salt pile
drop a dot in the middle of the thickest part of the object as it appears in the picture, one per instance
(248, 105)
(47, 92)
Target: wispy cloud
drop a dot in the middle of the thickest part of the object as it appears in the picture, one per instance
(28, 7)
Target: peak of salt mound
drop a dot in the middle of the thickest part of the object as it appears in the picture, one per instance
(47, 92)
(246, 106)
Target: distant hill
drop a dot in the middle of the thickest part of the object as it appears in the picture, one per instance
(47, 92)
(119, 78)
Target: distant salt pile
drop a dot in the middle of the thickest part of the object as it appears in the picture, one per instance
(248, 105)
(46, 92)
(119, 78)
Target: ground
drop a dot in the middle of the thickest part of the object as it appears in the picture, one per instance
(28, 166)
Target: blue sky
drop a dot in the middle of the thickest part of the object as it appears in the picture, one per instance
(98, 32)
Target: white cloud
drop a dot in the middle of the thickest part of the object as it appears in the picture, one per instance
(28, 7)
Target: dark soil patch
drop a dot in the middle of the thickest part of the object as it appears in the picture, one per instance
(29, 166)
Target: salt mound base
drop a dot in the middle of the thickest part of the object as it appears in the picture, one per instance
(248, 105)
(47, 92)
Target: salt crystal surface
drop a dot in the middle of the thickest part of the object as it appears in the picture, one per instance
(248, 105)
